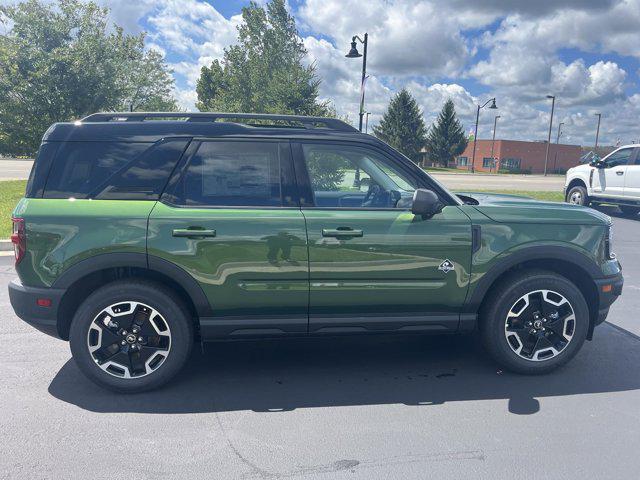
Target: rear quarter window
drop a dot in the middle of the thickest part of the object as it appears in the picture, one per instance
(40, 169)
(113, 170)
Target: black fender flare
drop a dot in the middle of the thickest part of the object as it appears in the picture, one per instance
(540, 252)
(139, 260)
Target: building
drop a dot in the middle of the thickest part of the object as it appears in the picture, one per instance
(518, 156)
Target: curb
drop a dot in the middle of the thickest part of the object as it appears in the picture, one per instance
(5, 245)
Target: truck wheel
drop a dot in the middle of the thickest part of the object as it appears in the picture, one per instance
(131, 336)
(578, 196)
(534, 322)
(629, 211)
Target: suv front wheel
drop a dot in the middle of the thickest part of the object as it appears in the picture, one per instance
(131, 336)
(534, 322)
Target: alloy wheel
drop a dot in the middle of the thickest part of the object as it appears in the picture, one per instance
(576, 198)
(540, 325)
(129, 339)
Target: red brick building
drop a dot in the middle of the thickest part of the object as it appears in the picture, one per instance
(519, 156)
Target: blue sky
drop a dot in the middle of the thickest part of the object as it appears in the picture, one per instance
(586, 52)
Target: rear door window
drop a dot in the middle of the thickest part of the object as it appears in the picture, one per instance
(236, 174)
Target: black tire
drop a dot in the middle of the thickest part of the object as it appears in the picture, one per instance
(493, 317)
(578, 195)
(629, 211)
(172, 311)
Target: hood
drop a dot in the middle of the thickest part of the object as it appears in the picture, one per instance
(584, 167)
(516, 209)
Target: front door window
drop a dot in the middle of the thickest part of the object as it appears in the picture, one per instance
(356, 177)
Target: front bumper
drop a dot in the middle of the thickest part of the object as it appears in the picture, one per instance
(24, 301)
(609, 289)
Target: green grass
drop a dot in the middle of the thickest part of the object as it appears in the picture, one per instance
(10, 192)
(538, 195)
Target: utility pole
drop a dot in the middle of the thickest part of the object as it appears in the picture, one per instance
(546, 157)
(493, 140)
(559, 132)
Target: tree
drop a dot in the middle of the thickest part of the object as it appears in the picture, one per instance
(446, 138)
(60, 62)
(402, 126)
(148, 84)
(265, 71)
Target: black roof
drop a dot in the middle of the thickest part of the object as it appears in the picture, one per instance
(152, 126)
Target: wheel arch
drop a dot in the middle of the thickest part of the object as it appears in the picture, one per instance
(576, 182)
(85, 276)
(566, 262)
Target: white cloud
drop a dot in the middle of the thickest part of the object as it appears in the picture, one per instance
(404, 36)
(192, 28)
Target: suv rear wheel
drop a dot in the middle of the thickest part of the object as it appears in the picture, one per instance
(578, 196)
(131, 336)
(534, 322)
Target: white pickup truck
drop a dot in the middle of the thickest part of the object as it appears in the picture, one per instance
(614, 179)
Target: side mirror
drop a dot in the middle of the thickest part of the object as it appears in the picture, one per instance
(598, 164)
(426, 203)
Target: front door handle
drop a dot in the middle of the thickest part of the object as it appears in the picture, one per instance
(341, 232)
(619, 172)
(192, 232)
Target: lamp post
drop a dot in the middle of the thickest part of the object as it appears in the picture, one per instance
(366, 123)
(475, 136)
(353, 53)
(546, 156)
(559, 132)
(555, 158)
(599, 115)
(493, 140)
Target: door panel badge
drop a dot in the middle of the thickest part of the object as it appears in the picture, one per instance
(446, 266)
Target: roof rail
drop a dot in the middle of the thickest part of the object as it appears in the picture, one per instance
(306, 122)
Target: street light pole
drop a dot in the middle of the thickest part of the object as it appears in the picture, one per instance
(559, 132)
(599, 115)
(546, 157)
(353, 53)
(493, 140)
(555, 158)
(366, 123)
(475, 135)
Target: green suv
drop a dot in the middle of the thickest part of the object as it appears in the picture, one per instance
(141, 234)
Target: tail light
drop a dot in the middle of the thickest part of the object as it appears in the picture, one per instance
(608, 240)
(19, 238)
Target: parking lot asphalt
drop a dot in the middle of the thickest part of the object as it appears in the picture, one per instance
(14, 169)
(357, 408)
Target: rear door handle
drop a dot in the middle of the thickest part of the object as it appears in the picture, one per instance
(341, 232)
(192, 232)
(619, 172)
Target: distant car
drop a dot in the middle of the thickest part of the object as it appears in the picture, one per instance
(614, 179)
